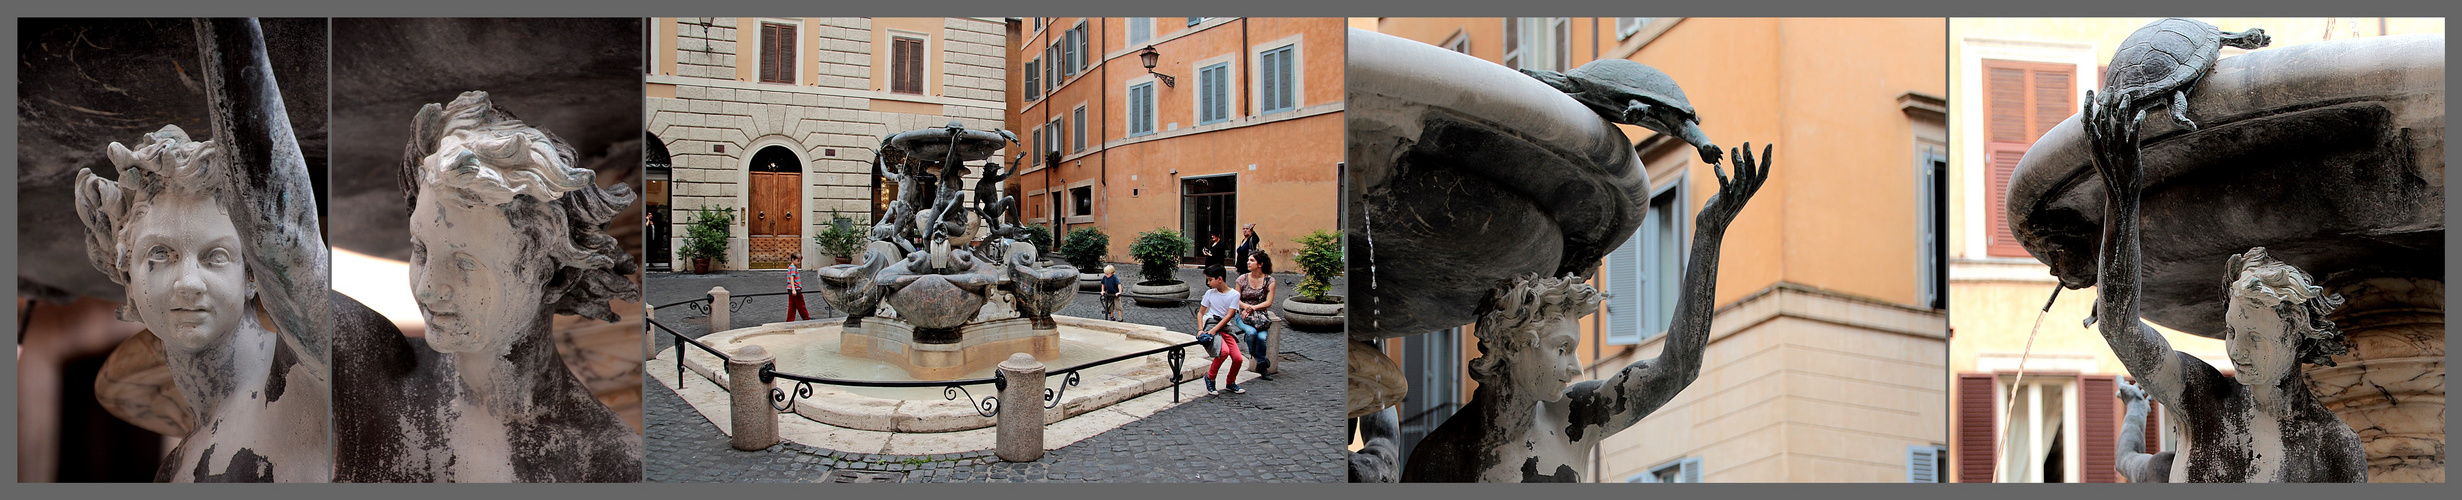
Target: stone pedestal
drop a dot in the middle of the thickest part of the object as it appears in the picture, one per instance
(2391, 386)
(720, 320)
(1020, 435)
(750, 417)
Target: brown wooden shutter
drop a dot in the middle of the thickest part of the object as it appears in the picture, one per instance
(1976, 435)
(2103, 414)
(2023, 101)
(906, 74)
(777, 58)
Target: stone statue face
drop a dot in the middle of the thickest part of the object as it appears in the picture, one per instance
(186, 278)
(1550, 364)
(2264, 349)
(467, 272)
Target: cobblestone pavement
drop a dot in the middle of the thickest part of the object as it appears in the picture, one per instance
(1289, 429)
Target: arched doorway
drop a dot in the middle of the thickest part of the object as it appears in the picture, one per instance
(775, 189)
(659, 166)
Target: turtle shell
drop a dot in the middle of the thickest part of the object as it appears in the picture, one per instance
(1623, 76)
(2162, 57)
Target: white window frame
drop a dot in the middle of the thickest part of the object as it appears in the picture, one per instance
(798, 71)
(1627, 26)
(1930, 288)
(1682, 470)
(1259, 90)
(2071, 415)
(1203, 92)
(1059, 134)
(1134, 115)
(1140, 31)
(1459, 42)
(930, 60)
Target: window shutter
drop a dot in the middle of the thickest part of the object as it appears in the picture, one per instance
(1282, 80)
(2102, 413)
(1034, 83)
(1140, 29)
(1692, 470)
(1977, 449)
(1078, 120)
(906, 73)
(2023, 101)
(1624, 285)
(1037, 157)
(776, 58)
(1922, 464)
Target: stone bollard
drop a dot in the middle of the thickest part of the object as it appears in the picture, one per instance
(754, 421)
(1020, 434)
(719, 319)
(1272, 357)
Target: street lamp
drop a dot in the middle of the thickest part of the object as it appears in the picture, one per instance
(1148, 56)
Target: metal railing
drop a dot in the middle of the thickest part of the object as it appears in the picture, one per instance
(1176, 355)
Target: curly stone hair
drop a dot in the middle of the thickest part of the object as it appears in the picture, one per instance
(2291, 292)
(1516, 311)
(559, 209)
(167, 162)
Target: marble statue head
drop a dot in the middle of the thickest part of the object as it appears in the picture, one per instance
(2277, 319)
(160, 232)
(1527, 332)
(505, 228)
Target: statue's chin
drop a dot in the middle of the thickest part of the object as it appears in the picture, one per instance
(452, 340)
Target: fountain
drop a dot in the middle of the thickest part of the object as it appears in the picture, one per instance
(2331, 155)
(920, 298)
(946, 292)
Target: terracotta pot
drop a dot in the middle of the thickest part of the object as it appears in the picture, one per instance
(1163, 295)
(701, 266)
(1304, 314)
(845, 260)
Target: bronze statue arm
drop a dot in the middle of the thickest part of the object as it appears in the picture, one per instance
(2112, 136)
(1640, 388)
(274, 207)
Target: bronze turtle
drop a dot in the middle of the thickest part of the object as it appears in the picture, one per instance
(2169, 56)
(1632, 93)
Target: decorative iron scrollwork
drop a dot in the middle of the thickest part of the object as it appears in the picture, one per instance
(988, 406)
(1052, 395)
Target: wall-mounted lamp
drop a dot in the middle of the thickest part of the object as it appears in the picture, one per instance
(1148, 56)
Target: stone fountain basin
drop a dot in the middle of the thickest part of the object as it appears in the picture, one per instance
(1470, 173)
(924, 410)
(932, 144)
(2331, 155)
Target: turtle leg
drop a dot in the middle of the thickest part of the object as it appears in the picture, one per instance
(2179, 109)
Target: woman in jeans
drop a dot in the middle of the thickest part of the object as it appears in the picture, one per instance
(1256, 288)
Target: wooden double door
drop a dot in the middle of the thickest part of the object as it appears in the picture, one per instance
(776, 232)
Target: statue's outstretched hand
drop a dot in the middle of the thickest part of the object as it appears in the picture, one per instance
(2111, 135)
(1732, 193)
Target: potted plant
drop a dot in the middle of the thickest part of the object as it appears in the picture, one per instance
(705, 238)
(842, 238)
(1040, 236)
(1317, 308)
(1158, 257)
(1084, 249)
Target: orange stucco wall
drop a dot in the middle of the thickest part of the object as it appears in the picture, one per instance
(1286, 162)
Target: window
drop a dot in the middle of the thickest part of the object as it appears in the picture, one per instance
(906, 65)
(1931, 201)
(1059, 134)
(1034, 80)
(1193, 21)
(1459, 43)
(1684, 470)
(1140, 30)
(1051, 67)
(1432, 362)
(1627, 26)
(1923, 463)
(777, 53)
(1081, 201)
(1214, 94)
(1077, 120)
(2024, 100)
(1141, 109)
(1037, 157)
(1646, 274)
(2057, 428)
(1073, 49)
(1540, 43)
(1277, 75)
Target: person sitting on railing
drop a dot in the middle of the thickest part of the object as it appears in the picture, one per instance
(1220, 306)
(795, 288)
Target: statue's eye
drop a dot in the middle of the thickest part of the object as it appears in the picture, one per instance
(158, 254)
(465, 263)
(218, 257)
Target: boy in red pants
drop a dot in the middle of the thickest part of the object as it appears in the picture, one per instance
(1221, 307)
(795, 288)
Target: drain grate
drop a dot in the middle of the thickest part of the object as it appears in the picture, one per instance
(865, 476)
